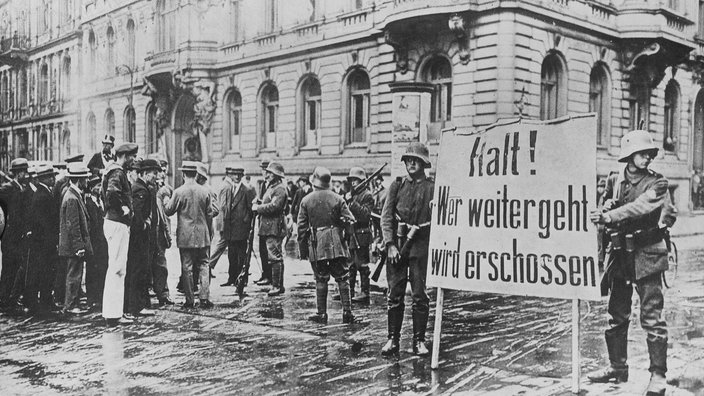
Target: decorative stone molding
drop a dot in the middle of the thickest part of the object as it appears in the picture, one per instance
(400, 45)
(456, 24)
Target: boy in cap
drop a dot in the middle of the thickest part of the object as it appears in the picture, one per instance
(74, 237)
(638, 209)
(117, 196)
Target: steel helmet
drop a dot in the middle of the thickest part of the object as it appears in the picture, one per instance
(417, 150)
(636, 141)
(357, 172)
(276, 168)
(321, 177)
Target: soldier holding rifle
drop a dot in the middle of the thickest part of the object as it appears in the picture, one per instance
(405, 222)
(636, 214)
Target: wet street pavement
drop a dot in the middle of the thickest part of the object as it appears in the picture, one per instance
(491, 345)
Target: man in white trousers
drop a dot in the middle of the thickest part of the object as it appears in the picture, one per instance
(117, 195)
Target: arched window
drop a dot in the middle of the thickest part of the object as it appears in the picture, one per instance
(152, 129)
(110, 64)
(438, 71)
(65, 144)
(553, 88)
(109, 122)
(90, 131)
(44, 83)
(672, 116)
(358, 88)
(66, 79)
(43, 145)
(93, 53)
(233, 120)
(600, 102)
(130, 128)
(309, 105)
(131, 43)
(270, 116)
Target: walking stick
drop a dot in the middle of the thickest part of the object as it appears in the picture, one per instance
(243, 277)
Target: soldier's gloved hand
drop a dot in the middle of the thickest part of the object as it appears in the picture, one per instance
(392, 254)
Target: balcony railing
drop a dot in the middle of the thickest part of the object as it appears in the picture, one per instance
(16, 42)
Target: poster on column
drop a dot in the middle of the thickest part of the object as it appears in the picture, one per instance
(511, 210)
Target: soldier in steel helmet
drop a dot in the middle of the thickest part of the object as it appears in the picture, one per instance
(321, 221)
(636, 212)
(361, 205)
(405, 223)
(272, 223)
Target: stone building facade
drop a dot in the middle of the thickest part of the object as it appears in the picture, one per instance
(310, 82)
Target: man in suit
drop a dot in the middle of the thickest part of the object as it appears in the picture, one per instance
(97, 264)
(139, 254)
(237, 222)
(60, 186)
(193, 204)
(14, 247)
(218, 247)
(117, 196)
(162, 237)
(272, 224)
(266, 266)
(44, 223)
(74, 236)
(104, 158)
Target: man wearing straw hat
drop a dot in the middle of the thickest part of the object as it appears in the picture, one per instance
(117, 196)
(193, 204)
(74, 237)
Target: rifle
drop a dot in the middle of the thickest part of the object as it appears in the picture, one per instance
(243, 277)
(361, 186)
(379, 266)
(405, 250)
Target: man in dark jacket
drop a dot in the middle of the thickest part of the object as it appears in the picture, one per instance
(139, 254)
(405, 221)
(265, 279)
(272, 224)
(97, 264)
(162, 241)
(103, 159)
(44, 223)
(236, 206)
(117, 196)
(637, 204)
(14, 246)
(74, 236)
(361, 204)
(321, 221)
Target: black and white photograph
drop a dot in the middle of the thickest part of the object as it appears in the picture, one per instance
(352, 197)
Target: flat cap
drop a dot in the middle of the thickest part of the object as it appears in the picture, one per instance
(127, 148)
(74, 158)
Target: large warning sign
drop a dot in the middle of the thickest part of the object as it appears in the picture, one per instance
(511, 210)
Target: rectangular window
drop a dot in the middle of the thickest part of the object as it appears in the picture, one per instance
(235, 20)
(701, 20)
(312, 115)
(271, 16)
(360, 118)
(595, 106)
(235, 127)
(270, 127)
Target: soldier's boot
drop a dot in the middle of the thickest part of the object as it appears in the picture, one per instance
(420, 324)
(363, 296)
(276, 269)
(617, 345)
(321, 299)
(657, 349)
(395, 320)
(281, 277)
(353, 278)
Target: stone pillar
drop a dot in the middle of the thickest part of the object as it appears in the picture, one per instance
(410, 118)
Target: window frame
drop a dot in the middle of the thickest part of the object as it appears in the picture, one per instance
(553, 87)
(600, 102)
(233, 121)
(357, 95)
(672, 117)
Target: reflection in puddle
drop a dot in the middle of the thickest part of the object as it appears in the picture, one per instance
(114, 360)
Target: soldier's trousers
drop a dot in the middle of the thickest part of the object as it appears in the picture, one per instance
(411, 270)
(264, 257)
(649, 291)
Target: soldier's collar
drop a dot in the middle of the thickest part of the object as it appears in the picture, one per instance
(420, 179)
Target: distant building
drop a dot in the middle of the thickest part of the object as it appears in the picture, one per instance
(310, 81)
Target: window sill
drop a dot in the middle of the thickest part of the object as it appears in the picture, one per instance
(358, 145)
(309, 149)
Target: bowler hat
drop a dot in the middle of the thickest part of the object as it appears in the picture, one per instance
(19, 164)
(127, 149)
(109, 139)
(149, 164)
(78, 170)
